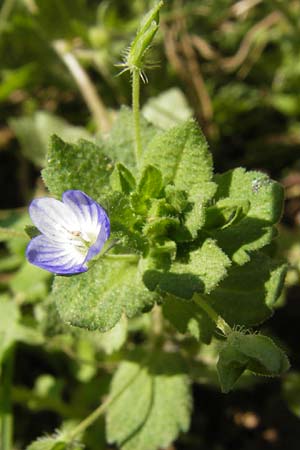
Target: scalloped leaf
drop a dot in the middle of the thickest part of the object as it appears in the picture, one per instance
(96, 299)
(253, 352)
(182, 156)
(247, 295)
(201, 272)
(146, 415)
(255, 230)
(82, 166)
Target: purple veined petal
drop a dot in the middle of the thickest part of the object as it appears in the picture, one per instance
(53, 218)
(59, 258)
(91, 216)
(101, 239)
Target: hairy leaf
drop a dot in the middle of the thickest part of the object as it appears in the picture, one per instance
(255, 230)
(182, 156)
(187, 317)
(96, 299)
(122, 179)
(202, 271)
(247, 295)
(253, 352)
(147, 415)
(81, 166)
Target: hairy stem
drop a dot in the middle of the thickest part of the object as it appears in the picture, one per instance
(215, 317)
(6, 417)
(86, 87)
(136, 114)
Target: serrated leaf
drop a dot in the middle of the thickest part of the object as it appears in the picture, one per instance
(255, 230)
(248, 293)
(55, 442)
(187, 317)
(253, 352)
(120, 145)
(203, 270)
(81, 166)
(182, 156)
(96, 299)
(147, 415)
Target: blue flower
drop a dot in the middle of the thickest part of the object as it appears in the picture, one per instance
(72, 232)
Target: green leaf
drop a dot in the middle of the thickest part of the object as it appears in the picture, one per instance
(47, 443)
(253, 352)
(255, 230)
(81, 166)
(187, 317)
(203, 270)
(196, 215)
(248, 293)
(96, 299)
(113, 339)
(150, 184)
(120, 145)
(167, 109)
(225, 213)
(12, 330)
(149, 187)
(59, 441)
(291, 392)
(182, 156)
(122, 179)
(13, 80)
(31, 231)
(9, 317)
(30, 283)
(148, 415)
(124, 222)
(34, 134)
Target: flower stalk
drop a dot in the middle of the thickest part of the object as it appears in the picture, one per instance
(136, 114)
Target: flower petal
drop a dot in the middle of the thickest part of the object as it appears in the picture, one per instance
(59, 258)
(97, 246)
(53, 218)
(91, 216)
